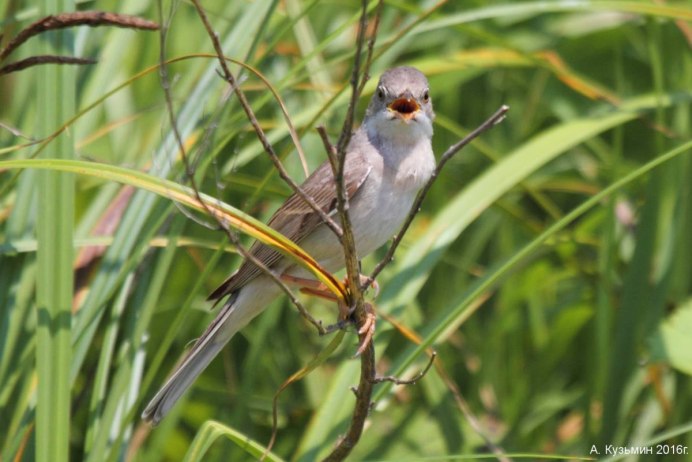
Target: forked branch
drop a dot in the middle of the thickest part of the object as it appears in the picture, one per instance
(493, 120)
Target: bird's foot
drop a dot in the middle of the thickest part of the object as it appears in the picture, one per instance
(309, 286)
(318, 289)
(363, 279)
(367, 329)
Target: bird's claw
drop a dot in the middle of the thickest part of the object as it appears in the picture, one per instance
(367, 329)
(375, 286)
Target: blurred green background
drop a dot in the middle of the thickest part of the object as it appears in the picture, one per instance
(582, 338)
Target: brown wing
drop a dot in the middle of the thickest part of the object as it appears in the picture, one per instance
(295, 219)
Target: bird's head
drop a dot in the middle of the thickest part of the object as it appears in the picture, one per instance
(401, 105)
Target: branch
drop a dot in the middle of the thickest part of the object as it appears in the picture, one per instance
(43, 59)
(367, 358)
(468, 414)
(78, 18)
(337, 155)
(222, 224)
(342, 204)
(362, 408)
(493, 120)
(411, 381)
(368, 374)
(454, 390)
(268, 148)
(328, 147)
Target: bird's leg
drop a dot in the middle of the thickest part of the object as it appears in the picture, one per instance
(309, 286)
(318, 289)
(375, 286)
(367, 329)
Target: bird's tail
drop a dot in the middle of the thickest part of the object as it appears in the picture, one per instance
(192, 364)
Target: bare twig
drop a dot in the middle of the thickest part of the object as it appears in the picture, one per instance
(338, 325)
(411, 381)
(284, 110)
(77, 18)
(367, 358)
(493, 120)
(362, 408)
(364, 391)
(43, 59)
(468, 413)
(268, 148)
(222, 224)
(454, 390)
(16, 132)
(328, 147)
(371, 46)
(348, 240)
(347, 129)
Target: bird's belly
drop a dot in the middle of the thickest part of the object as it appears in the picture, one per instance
(378, 209)
(376, 215)
(376, 221)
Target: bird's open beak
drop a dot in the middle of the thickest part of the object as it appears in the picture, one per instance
(404, 108)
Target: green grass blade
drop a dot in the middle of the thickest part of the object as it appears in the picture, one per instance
(184, 195)
(461, 210)
(56, 198)
(212, 431)
(437, 326)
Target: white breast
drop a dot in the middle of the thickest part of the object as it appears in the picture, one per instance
(381, 204)
(381, 207)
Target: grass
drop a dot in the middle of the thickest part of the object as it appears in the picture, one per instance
(549, 266)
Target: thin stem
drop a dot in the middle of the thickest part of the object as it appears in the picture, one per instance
(367, 358)
(43, 59)
(268, 148)
(493, 120)
(222, 224)
(72, 19)
(362, 409)
(328, 147)
(411, 381)
(342, 200)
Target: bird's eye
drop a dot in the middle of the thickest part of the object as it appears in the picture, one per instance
(380, 93)
(426, 96)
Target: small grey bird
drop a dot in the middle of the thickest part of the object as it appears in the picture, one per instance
(388, 160)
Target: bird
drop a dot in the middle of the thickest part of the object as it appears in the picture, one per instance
(388, 160)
